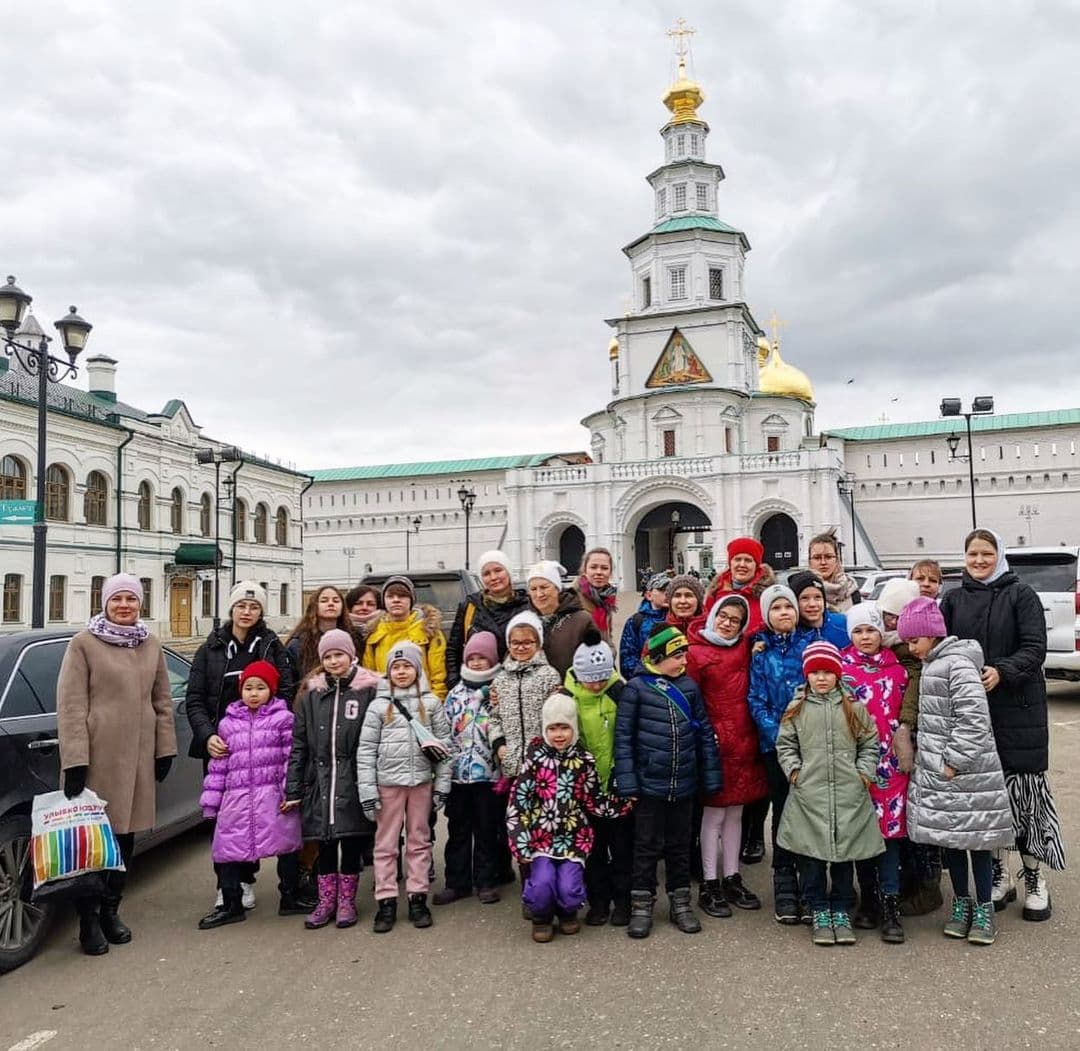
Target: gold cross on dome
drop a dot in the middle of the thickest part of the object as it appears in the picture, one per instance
(776, 323)
(681, 35)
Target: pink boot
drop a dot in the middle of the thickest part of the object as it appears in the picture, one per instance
(346, 903)
(328, 900)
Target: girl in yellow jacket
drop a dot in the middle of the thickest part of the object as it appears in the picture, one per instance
(402, 623)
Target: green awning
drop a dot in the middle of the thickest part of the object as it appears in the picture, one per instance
(197, 555)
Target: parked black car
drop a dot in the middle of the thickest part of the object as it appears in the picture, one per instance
(442, 588)
(30, 764)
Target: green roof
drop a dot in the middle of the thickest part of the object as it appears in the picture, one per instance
(948, 424)
(693, 222)
(428, 467)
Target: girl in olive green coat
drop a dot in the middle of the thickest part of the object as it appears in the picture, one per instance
(828, 750)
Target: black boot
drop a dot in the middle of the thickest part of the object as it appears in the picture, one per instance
(231, 910)
(737, 892)
(385, 916)
(419, 913)
(892, 930)
(620, 912)
(597, 915)
(868, 915)
(785, 896)
(291, 904)
(115, 930)
(711, 899)
(91, 937)
(306, 895)
(680, 913)
(641, 909)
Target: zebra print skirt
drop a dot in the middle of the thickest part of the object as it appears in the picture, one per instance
(1035, 819)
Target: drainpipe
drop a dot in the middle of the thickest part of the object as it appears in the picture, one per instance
(304, 489)
(120, 499)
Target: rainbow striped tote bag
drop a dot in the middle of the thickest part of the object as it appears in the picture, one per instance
(70, 838)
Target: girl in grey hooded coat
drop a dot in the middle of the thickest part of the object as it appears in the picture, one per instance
(956, 796)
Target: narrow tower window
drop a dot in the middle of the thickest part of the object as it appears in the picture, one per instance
(679, 197)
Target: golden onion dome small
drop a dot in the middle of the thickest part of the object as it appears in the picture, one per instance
(613, 348)
(684, 97)
(781, 380)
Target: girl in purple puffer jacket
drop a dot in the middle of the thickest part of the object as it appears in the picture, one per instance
(245, 791)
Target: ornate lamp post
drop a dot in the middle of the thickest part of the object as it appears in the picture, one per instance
(414, 527)
(846, 485)
(38, 361)
(467, 495)
(676, 517)
(983, 406)
(226, 454)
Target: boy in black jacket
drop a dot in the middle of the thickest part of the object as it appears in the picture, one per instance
(665, 752)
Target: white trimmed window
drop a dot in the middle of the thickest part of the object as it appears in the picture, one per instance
(678, 197)
(680, 145)
(670, 144)
(646, 292)
(702, 197)
(695, 144)
(716, 282)
(661, 202)
(677, 282)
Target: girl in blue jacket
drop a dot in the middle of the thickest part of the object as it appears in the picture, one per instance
(775, 673)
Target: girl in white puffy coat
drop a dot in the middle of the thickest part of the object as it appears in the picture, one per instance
(403, 768)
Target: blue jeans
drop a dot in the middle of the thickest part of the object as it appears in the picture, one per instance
(982, 866)
(813, 874)
(888, 867)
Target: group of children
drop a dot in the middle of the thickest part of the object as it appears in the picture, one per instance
(591, 779)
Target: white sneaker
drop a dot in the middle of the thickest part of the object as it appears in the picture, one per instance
(1004, 890)
(1036, 892)
(247, 895)
(219, 901)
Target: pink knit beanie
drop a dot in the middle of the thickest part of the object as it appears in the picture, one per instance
(921, 619)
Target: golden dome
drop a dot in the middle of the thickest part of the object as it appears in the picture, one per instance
(779, 379)
(613, 348)
(684, 97)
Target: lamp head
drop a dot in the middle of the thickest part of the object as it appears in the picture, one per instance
(74, 331)
(953, 442)
(13, 304)
(984, 404)
(950, 407)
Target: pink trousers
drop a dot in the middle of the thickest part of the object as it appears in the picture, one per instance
(409, 807)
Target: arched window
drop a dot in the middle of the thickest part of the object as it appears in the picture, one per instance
(205, 515)
(176, 511)
(262, 515)
(12, 479)
(240, 519)
(281, 527)
(57, 493)
(146, 502)
(96, 498)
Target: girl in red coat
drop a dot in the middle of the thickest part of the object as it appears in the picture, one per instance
(719, 662)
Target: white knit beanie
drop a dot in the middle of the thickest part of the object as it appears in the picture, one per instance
(865, 614)
(498, 557)
(247, 591)
(547, 570)
(525, 619)
(560, 708)
(896, 594)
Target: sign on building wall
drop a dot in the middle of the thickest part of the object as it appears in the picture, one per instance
(17, 512)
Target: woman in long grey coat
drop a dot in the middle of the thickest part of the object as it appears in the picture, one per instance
(117, 736)
(956, 796)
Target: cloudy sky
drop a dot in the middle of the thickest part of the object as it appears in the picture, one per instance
(361, 233)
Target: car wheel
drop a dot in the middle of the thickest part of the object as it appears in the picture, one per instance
(23, 924)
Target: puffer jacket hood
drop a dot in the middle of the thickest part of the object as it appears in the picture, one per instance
(421, 627)
(723, 585)
(389, 754)
(520, 689)
(971, 810)
(1006, 618)
(635, 632)
(322, 767)
(244, 790)
(596, 720)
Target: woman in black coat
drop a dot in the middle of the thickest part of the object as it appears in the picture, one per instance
(1005, 616)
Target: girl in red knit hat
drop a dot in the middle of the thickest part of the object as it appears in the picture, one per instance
(747, 574)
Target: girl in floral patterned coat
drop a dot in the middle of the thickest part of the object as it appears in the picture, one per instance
(878, 680)
(547, 819)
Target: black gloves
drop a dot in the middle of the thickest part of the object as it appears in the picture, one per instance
(162, 766)
(74, 780)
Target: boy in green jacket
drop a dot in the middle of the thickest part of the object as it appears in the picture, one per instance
(595, 686)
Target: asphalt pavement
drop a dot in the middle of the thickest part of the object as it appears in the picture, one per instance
(476, 979)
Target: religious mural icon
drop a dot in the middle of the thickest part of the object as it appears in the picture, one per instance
(678, 364)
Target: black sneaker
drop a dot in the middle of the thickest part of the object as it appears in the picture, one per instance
(419, 913)
(738, 893)
(711, 900)
(753, 852)
(785, 897)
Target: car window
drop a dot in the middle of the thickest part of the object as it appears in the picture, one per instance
(445, 594)
(178, 670)
(32, 691)
(1046, 572)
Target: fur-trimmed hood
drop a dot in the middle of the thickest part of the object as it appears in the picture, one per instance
(361, 677)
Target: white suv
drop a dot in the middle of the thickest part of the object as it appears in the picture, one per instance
(1054, 573)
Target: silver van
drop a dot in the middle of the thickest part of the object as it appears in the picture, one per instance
(1054, 573)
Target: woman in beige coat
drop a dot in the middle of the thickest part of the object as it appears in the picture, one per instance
(117, 736)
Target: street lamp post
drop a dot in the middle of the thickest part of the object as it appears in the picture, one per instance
(1029, 511)
(846, 484)
(350, 554)
(467, 495)
(675, 519)
(982, 406)
(226, 454)
(38, 361)
(414, 527)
